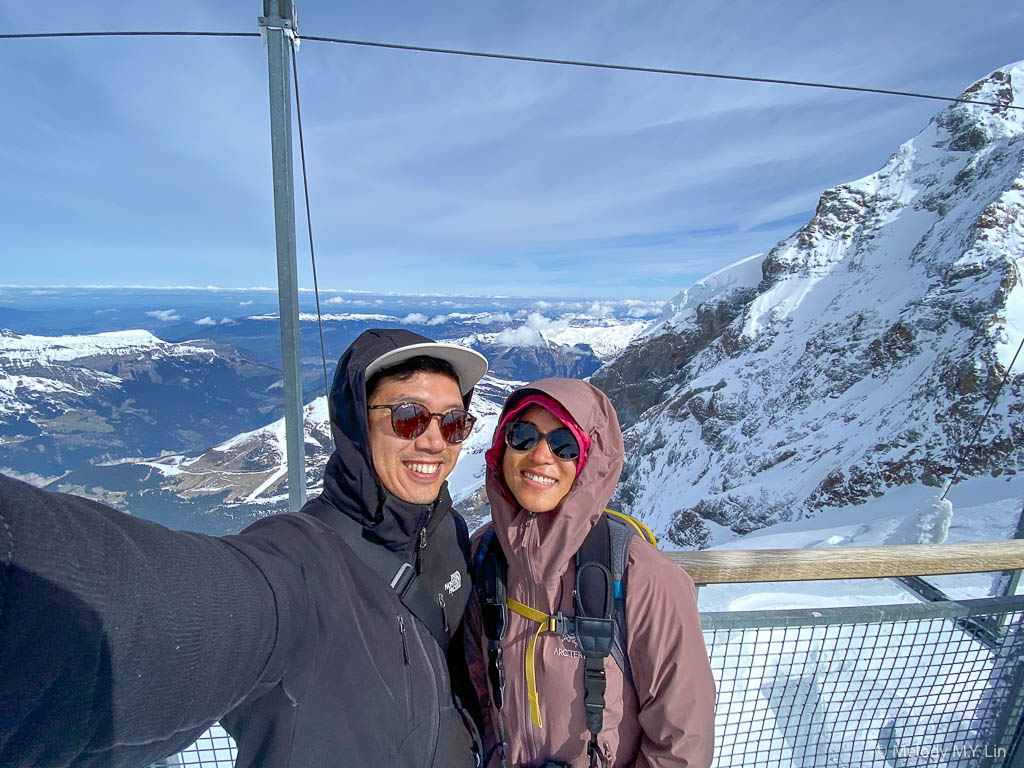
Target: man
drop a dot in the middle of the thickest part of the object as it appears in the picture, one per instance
(317, 639)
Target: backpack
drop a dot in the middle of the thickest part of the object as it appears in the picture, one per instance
(599, 625)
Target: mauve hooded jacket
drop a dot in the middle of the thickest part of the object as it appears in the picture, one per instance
(666, 717)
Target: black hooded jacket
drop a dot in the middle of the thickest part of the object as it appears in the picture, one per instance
(122, 641)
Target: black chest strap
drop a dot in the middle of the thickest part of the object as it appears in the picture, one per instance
(400, 575)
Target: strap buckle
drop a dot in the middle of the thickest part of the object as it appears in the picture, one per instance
(402, 579)
(561, 624)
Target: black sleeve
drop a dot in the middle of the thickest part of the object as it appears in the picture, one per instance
(120, 640)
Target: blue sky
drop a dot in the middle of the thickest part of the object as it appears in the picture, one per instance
(147, 161)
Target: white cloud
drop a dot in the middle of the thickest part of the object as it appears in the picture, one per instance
(644, 311)
(164, 315)
(415, 318)
(206, 321)
(523, 336)
(227, 321)
(437, 320)
(247, 303)
(539, 322)
(532, 333)
(599, 309)
(335, 300)
(496, 317)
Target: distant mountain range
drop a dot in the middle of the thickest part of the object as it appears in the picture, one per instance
(129, 419)
(857, 355)
(68, 401)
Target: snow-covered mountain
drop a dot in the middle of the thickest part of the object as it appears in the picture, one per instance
(222, 489)
(70, 400)
(855, 356)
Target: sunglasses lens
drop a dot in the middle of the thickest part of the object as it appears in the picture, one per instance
(409, 420)
(456, 426)
(521, 436)
(563, 444)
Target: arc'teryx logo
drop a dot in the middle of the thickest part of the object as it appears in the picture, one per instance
(454, 583)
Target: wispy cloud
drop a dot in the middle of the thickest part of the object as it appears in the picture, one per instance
(164, 315)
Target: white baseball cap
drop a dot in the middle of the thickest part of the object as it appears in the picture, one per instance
(470, 366)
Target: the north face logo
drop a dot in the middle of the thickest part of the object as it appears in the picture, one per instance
(454, 583)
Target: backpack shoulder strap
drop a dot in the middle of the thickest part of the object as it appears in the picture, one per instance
(462, 537)
(595, 625)
(621, 534)
(637, 525)
(490, 578)
(623, 528)
(400, 575)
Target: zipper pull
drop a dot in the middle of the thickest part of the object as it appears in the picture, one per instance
(401, 630)
(444, 616)
(420, 548)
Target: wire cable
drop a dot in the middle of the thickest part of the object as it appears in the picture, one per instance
(309, 218)
(39, 35)
(992, 402)
(661, 71)
(543, 60)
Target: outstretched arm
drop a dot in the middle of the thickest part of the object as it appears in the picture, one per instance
(120, 640)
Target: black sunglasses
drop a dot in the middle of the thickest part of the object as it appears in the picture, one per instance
(410, 420)
(523, 436)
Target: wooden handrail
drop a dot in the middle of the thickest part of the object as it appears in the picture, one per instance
(731, 566)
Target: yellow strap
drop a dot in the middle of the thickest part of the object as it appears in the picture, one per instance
(544, 625)
(531, 613)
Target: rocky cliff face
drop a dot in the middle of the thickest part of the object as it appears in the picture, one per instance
(858, 354)
(528, 363)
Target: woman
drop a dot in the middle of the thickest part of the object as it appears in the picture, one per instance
(551, 470)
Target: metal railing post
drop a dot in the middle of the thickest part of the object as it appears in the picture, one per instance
(278, 26)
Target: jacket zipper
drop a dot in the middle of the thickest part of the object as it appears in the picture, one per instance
(444, 615)
(401, 631)
(422, 545)
(405, 656)
(435, 662)
(530, 736)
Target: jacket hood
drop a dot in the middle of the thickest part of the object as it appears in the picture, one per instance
(350, 482)
(562, 530)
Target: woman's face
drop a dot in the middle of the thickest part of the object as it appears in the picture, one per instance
(537, 478)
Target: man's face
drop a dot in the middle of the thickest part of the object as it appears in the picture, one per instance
(413, 470)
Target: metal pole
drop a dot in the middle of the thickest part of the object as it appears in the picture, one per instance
(277, 26)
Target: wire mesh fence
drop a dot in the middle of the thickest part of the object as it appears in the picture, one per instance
(901, 686)
(214, 749)
(936, 685)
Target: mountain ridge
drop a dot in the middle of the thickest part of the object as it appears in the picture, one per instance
(863, 355)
